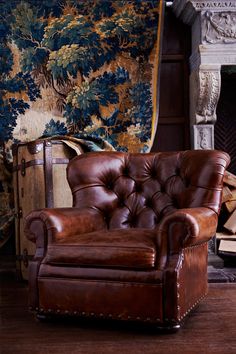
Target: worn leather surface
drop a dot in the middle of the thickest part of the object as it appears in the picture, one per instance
(62, 222)
(185, 280)
(137, 190)
(193, 275)
(104, 299)
(186, 227)
(134, 244)
(154, 275)
(106, 249)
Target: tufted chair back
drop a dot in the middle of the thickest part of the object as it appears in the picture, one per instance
(137, 190)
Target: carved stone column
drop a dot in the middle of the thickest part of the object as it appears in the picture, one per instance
(213, 45)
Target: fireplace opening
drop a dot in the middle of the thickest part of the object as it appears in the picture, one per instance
(225, 139)
(225, 127)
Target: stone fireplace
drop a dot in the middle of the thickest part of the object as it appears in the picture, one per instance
(213, 26)
(213, 54)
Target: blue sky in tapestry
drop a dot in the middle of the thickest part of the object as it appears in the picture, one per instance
(96, 55)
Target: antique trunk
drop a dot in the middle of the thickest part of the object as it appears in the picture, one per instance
(39, 173)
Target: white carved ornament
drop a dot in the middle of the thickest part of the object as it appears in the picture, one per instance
(220, 27)
(209, 91)
(213, 4)
(203, 137)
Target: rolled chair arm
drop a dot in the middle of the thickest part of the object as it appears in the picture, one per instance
(185, 228)
(47, 225)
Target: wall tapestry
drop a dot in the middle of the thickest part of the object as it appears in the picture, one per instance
(86, 68)
(80, 67)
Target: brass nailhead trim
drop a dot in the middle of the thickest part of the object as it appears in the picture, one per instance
(191, 307)
(92, 314)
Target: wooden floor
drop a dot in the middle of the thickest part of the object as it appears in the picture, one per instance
(211, 328)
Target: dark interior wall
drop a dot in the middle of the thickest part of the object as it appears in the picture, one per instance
(173, 124)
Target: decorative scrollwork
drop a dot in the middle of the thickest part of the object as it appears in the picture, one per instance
(213, 4)
(204, 137)
(220, 27)
(209, 91)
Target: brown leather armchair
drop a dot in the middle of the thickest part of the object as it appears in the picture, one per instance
(134, 244)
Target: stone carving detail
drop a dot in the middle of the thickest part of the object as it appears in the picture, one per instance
(213, 4)
(187, 9)
(208, 96)
(213, 44)
(203, 137)
(220, 27)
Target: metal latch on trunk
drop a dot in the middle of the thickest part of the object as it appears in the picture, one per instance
(19, 213)
(23, 167)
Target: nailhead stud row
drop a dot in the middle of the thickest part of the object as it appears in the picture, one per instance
(92, 314)
(192, 307)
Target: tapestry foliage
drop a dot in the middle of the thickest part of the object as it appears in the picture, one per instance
(97, 58)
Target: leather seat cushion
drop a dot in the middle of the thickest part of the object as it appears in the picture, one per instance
(118, 248)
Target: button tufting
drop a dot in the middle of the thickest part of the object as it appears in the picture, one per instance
(125, 171)
(187, 182)
(177, 171)
(106, 219)
(175, 202)
(153, 173)
(110, 186)
(156, 220)
(121, 203)
(162, 189)
(132, 221)
(149, 203)
(138, 187)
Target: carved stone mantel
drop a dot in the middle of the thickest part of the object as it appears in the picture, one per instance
(213, 25)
